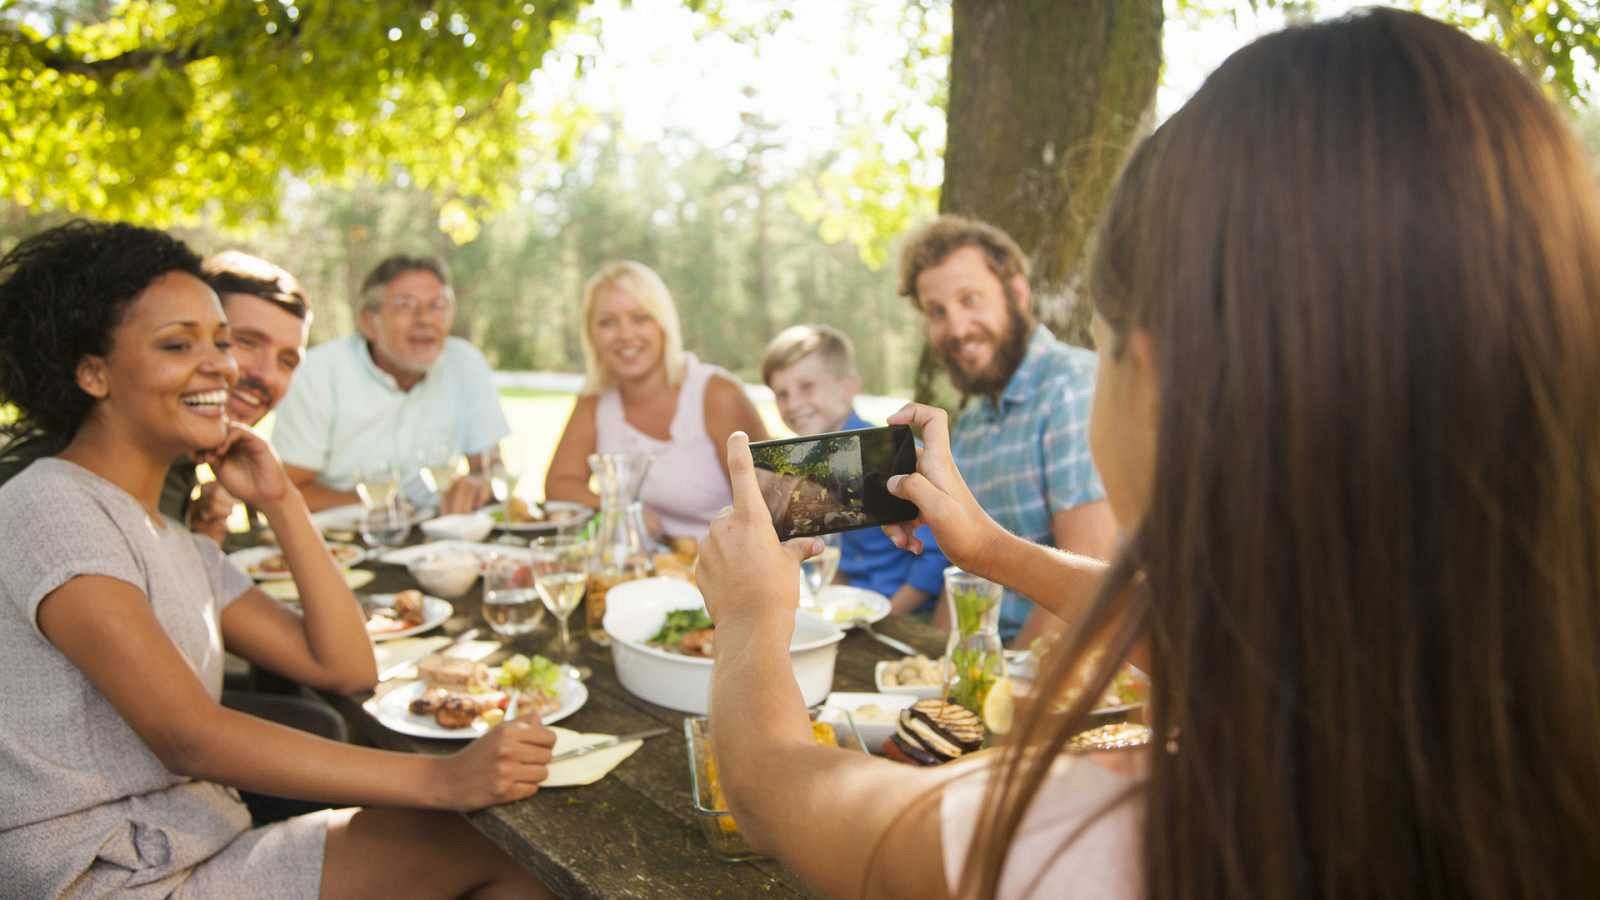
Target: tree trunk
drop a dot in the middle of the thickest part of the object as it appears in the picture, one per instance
(1046, 96)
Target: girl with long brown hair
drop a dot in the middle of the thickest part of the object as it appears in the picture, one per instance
(1348, 416)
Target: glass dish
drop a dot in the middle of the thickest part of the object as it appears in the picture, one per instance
(715, 821)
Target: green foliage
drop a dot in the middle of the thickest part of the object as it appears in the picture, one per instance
(158, 111)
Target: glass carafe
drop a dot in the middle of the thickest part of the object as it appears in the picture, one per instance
(623, 548)
(974, 659)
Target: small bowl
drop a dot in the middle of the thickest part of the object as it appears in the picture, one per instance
(449, 574)
(873, 731)
(920, 691)
(469, 527)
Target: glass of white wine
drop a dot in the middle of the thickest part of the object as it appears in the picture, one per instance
(377, 484)
(818, 571)
(560, 571)
(441, 466)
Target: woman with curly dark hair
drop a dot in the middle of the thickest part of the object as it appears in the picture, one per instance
(113, 618)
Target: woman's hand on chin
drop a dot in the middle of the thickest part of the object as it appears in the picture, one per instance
(247, 468)
(750, 580)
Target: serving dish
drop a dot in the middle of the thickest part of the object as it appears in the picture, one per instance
(872, 730)
(914, 691)
(715, 821)
(635, 611)
(470, 527)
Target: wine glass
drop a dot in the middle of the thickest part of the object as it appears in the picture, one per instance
(560, 571)
(441, 466)
(817, 572)
(377, 484)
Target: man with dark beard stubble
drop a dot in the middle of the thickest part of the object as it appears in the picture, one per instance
(1022, 439)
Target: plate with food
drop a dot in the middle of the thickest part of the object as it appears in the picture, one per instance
(459, 699)
(268, 563)
(844, 605)
(391, 616)
(534, 517)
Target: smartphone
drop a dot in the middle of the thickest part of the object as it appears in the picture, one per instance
(835, 481)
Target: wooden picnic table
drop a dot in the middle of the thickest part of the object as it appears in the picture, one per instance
(634, 833)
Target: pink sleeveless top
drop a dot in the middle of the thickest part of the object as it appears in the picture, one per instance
(685, 485)
(1045, 860)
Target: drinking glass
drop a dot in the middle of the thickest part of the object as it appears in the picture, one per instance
(818, 571)
(377, 484)
(560, 571)
(441, 466)
(386, 525)
(510, 597)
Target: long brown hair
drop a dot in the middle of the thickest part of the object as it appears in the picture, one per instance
(1367, 254)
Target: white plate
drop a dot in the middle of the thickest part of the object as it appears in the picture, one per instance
(339, 518)
(873, 733)
(405, 556)
(842, 604)
(249, 560)
(394, 711)
(569, 515)
(435, 612)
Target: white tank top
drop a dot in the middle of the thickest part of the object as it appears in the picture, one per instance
(685, 485)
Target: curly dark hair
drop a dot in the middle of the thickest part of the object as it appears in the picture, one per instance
(62, 292)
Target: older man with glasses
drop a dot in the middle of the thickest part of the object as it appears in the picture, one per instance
(392, 396)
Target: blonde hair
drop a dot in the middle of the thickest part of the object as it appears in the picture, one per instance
(640, 282)
(800, 341)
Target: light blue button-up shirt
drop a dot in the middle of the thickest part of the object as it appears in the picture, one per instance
(343, 413)
(1027, 457)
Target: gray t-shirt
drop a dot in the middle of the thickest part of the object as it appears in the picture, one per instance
(80, 788)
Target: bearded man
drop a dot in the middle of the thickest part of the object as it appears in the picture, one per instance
(1022, 440)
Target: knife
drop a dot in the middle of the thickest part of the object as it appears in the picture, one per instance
(893, 643)
(612, 741)
(399, 667)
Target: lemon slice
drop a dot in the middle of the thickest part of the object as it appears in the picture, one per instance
(999, 707)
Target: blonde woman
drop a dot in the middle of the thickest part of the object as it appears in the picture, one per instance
(645, 394)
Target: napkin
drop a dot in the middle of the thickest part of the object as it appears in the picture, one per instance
(590, 767)
(284, 589)
(393, 653)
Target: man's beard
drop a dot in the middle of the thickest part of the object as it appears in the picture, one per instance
(1009, 350)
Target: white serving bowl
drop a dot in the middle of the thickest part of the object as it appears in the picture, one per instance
(447, 573)
(919, 691)
(469, 527)
(635, 611)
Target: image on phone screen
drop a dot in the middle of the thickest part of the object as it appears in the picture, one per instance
(836, 481)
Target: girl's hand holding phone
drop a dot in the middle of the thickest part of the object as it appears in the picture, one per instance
(966, 533)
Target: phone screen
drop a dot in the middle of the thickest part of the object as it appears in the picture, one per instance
(836, 481)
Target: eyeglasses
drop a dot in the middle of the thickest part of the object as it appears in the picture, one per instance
(411, 304)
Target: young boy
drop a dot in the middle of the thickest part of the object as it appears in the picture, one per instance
(812, 372)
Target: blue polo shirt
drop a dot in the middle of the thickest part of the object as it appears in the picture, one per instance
(1026, 457)
(870, 560)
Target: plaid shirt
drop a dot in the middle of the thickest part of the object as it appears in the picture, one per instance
(1027, 458)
